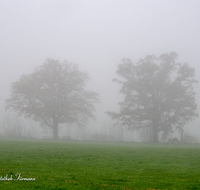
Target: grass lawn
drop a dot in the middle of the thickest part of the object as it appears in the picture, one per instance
(91, 165)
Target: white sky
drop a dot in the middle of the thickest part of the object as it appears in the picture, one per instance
(96, 35)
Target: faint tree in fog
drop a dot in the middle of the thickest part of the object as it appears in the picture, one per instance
(188, 138)
(146, 134)
(11, 126)
(158, 94)
(53, 94)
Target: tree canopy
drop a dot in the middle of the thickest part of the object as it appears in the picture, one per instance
(53, 94)
(158, 94)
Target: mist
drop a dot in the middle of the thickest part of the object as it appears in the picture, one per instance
(96, 35)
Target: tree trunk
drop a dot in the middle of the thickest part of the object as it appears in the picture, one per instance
(155, 136)
(155, 133)
(181, 134)
(55, 128)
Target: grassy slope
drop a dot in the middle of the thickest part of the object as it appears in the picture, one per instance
(84, 165)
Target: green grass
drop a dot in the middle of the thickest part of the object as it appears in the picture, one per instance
(91, 165)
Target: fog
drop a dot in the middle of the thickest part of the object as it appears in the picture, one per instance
(96, 35)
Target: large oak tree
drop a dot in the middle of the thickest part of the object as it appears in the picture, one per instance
(53, 94)
(158, 94)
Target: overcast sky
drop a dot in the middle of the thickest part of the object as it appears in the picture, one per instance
(96, 35)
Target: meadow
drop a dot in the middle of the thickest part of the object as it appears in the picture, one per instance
(98, 165)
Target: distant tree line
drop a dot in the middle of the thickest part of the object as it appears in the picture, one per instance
(158, 96)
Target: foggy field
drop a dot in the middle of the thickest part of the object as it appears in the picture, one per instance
(92, 165)
(85, 85)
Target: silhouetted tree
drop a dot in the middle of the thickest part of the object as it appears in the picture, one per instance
(53, 94)
(158, 94)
